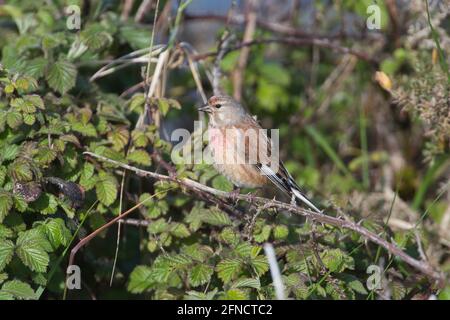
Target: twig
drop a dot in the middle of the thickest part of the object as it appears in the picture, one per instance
(143, 8)
(238, 74)
(281, 29)
(127, 6)
(274, 271)
(323, 43)
(217, 71)
(421, 266)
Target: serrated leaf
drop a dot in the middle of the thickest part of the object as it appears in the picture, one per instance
(57, 232)
(31, 247)
(336, 260)
(140, 279)
(62, 76)
(158, 226)
(87, 130)
(140, 157)
(29, 119)
(14, 119)
(45, 204)
(35, 100)
(106, 191)
(18, 289)
(9, 152)
(6, 203)
(35, 68)
(228, 269)
(21, 171)
(5, 232)
(280, 232)
(260, 265)
(200, 274)
(235, 294)
(119, 138)
(23, 105)
(45, 155)
(216, 217)
(3, 171)
(243, 249)
(137, 102)
(357, 286)
(247, 283)
(6, 252)
(179, 230)
(264, 234)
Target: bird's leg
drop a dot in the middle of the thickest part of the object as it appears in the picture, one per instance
(293, 202)
(234, 195)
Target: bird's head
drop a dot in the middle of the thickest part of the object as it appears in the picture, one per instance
(223, 110)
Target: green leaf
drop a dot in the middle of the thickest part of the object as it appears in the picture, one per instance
(106, 190)
(140, 279)
(445, 294)
(14, 119)
(45, 155)
(35, 100)
(21, 170)
(5, 232)
(200, 274)
(135, 35)
(3, 172)
(216, 217)
(62, 76)
(29, 119)
(357, 286)
(6, 203)
(243, 249)
(87, 130)
(6, 252)
(247, 283)
(35, 68)
(264, 234)
(228, 269)
(280, 232)
(260, 264)
(9, 152)
(140, 157)
(96, 37)
(57, 232)
(31, 248)
(235, 294)
(222, 183)
(18, 289)
(336, 260)
(179, 230)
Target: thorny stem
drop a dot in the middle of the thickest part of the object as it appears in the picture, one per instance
(421, 266)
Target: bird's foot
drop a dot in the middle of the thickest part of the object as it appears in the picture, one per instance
(234, 195)
(293, 202)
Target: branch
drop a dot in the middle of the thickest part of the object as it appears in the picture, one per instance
(323, 43)
(422, 266)
(249, 32)
(281, 28)
(217, 72)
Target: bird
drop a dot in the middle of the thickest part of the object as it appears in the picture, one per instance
(241, 149)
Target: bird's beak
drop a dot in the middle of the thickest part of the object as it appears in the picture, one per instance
(205, 108)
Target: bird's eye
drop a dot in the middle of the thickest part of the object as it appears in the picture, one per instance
(218, 105)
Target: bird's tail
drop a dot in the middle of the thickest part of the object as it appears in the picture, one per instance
(297, 193)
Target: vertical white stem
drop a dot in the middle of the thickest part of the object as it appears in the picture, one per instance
(274, 271)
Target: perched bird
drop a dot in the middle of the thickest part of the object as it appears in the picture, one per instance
(242, 151)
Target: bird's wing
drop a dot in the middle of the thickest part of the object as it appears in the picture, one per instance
(278, 174)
